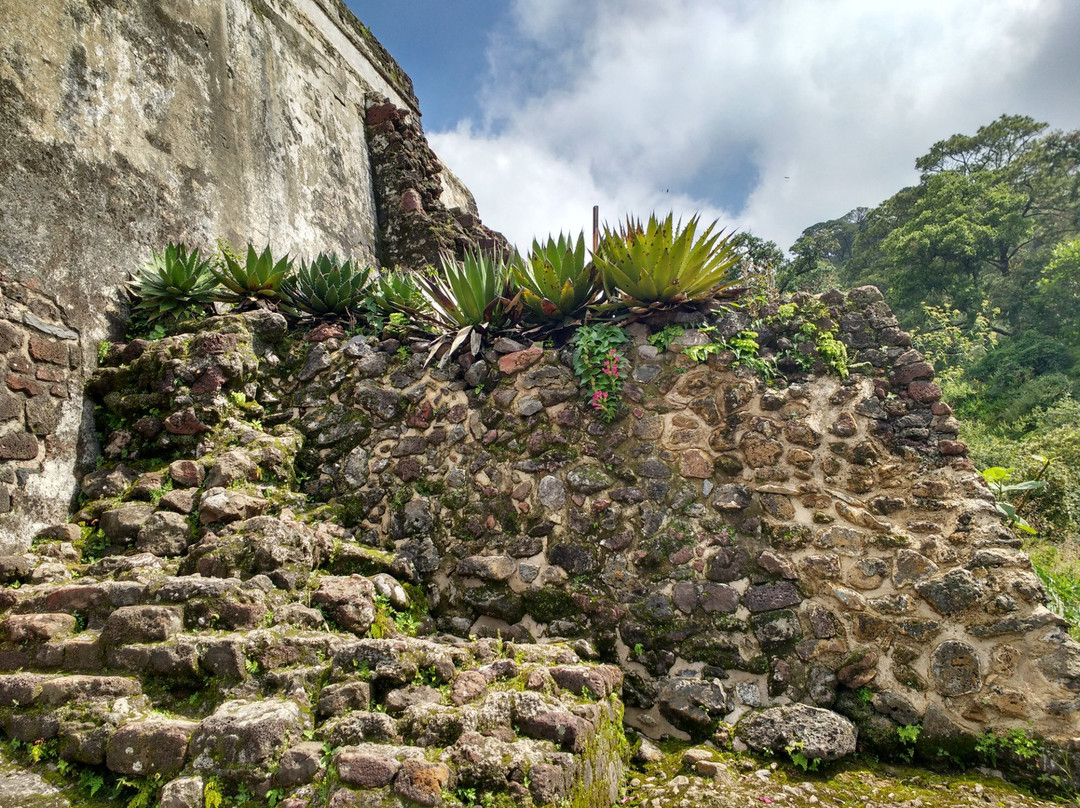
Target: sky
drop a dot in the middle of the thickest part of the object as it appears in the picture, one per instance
(769, 115)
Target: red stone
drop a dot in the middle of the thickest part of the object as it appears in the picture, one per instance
(408, 469)
(324, 331)
(20, 364)
(909, 373)
(411, 201)
(48, 351)
(457, 414)
(924, 392)
(187, 473)
(953, 448)
(421, 417)
(519, 360)
(21, 384)
(210, 381)
(940, 408)
(48, 374)
(185, 422)
(693, 463)
(382, 113)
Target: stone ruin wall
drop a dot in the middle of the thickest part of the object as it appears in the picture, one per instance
(127, 124)
(727, 543)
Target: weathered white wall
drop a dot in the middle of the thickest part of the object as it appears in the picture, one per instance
(128, 123)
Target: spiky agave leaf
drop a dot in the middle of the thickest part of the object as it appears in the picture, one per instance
(172, 282)
(555, 279)
(260, 277)
(326, 286)
(467, 298)
(471, 292)
(663, 262)
(397, 291)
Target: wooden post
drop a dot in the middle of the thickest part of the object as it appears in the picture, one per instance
(595, 227)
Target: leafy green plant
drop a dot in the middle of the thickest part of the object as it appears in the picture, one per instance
(795, 752)
(598, 366)
(91, 781)
(467, 297)
(1017, 742)
(1061, 579)
(172, 283)
(663, 338)
(864, 694)
(213, 797)
(327, 286)
(555, 279)
(258, 278)
(997, 479)
(908, 735)
(662, 262)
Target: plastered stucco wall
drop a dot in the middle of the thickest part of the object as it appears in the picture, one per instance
(125, 124)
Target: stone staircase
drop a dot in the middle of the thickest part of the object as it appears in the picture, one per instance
(195, 633)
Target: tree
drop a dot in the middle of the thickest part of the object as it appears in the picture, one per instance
(980, 224)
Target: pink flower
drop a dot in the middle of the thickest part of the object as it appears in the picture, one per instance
(599, 399)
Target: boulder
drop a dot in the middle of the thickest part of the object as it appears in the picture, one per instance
(811, 731)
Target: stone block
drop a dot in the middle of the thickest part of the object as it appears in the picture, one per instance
(141, 624)
(149, 748)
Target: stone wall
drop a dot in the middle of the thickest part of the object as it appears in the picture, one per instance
(40, 411)
(126, 124)
(729, 543)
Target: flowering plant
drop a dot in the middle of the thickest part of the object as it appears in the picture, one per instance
(600, 367)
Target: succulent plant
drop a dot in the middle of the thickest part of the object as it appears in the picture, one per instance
(259, 278)
(555, 279)
(397, 291)
(665, 263)
(472, 292)
(468, 297)
(326, 286)
(172, 282)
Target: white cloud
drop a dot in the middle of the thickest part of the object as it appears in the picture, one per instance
(629, 103)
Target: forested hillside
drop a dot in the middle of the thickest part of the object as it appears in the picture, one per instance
(981, 261)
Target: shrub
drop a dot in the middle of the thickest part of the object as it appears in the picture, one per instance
(598, 366)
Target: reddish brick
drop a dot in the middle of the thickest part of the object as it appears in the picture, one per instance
(47, 350)
(21, 384)
(59, 390)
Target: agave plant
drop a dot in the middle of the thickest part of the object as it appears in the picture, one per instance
(468, 297)
(397, 291)
(172, 282)
(259, 278)
(555, 279)
(326, 286)
(665, 263)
